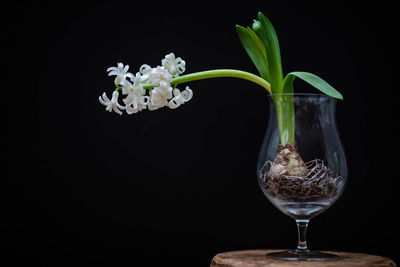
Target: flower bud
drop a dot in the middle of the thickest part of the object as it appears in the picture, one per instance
(257, 27)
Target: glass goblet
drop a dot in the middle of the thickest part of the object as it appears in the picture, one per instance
(305, 178)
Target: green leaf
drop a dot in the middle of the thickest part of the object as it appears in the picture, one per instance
(255, 49)
(313, 80)
(270, 40)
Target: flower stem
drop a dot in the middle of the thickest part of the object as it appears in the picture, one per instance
(218, 74)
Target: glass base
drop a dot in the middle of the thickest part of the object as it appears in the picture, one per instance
(302, 255)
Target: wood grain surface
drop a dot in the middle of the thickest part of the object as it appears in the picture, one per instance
(256, 258)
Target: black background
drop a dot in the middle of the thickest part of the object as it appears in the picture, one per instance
(84, 186)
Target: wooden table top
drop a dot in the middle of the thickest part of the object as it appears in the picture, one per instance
(256, 258)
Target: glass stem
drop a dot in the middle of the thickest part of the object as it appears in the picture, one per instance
(302, 234)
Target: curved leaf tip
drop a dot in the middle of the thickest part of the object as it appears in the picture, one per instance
(315, 81)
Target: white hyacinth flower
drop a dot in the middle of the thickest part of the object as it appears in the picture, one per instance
(175, 66)
(159, 78)
(144, 69)
(121, 72)
(187, 94)
(160, 95)
(135, 103)
(129, 88)
(180, 97)
(136, 99)
(156, 75)
(111, 105)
